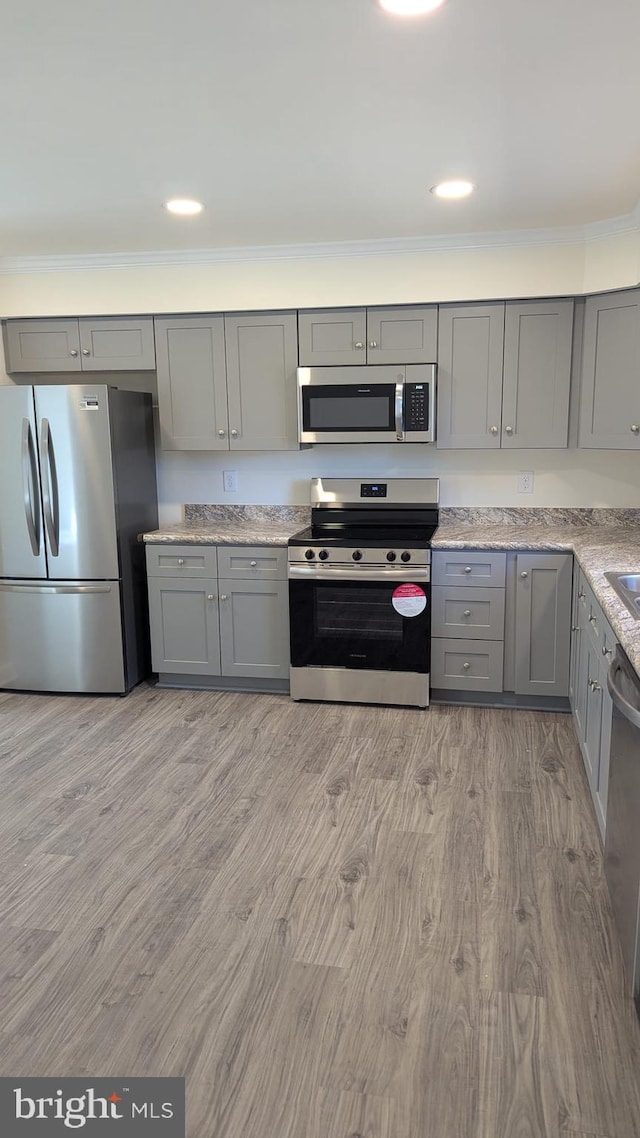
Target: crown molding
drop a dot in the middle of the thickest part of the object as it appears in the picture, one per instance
(627, 224)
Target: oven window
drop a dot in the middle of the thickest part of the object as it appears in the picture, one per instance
(336, 407)
(343, 612)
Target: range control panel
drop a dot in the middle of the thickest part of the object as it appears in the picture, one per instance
(416, 407)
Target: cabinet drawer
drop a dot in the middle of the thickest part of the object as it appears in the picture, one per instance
(464, 568)
(181, 561)
(474, 614)
(249, 562)
(474, 666)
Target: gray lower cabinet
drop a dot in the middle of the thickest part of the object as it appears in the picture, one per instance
(233, 622)
(504, 373)
(610, 384)
(254, 628)
(228, 382)
(467, 621)
(398, 335)
(501, 623)
(543, 623)
(113, 344)
(593, 648)
(185, 630)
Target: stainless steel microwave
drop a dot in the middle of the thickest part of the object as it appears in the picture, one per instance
(377, 404)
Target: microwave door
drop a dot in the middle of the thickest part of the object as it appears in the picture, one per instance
(339, 408)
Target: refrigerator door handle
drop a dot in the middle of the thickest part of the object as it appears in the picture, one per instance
(6, 588)
(49, 486)
(29, 484)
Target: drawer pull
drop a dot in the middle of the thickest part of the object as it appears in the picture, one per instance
(581, 596)
(467, 612)
(467, 568)
(466, 665)
(606, 651)
(181, 561)
(253, 564)
(592, 619)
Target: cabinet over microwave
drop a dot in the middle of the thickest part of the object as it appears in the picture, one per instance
(374, 404)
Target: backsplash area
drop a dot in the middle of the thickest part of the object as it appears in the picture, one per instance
(585, 479)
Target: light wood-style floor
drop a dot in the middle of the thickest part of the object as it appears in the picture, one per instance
(335, 921)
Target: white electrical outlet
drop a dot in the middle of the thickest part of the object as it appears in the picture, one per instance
(525, 482)
(230, 481)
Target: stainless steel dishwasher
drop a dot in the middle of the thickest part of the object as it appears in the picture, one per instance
(622, 839)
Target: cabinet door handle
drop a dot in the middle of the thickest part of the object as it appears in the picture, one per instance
(592, 619)
(234, 434)
(467, 612)
(73, 352)
(494, 430)
(467, 568)
(223, 597)
(524, 574)
(594, 685)
(373, 343)
(575, 628)
(581, 596)
(86, 352)
(508, 430)
(222, 432)
(606, 651)
(635, 429)
(359, 345)
(211, 597)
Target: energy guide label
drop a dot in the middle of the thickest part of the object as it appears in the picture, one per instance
(409, 600)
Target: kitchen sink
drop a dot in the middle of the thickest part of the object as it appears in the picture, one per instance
(627, 586)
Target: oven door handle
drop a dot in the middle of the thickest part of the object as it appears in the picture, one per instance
(403, 576)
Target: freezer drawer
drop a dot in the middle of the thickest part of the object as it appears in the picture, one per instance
(61, 636)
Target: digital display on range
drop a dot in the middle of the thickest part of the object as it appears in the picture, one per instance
(373, 490)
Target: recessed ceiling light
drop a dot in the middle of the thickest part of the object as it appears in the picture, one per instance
(186, 207)
(455, 189)
(410, 7)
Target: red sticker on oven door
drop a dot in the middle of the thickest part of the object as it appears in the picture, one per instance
(409, 600)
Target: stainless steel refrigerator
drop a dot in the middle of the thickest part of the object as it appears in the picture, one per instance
(77, 487)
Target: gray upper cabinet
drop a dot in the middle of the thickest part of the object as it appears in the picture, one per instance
(402, 335)
(124, 344)
(398, 335)
(537, 373)
(610, 388)
(112, 344)
(470, 355)
(543, 623)
(504, 373)
(332, 336)
(262, 355)
(42, 345)
(192, 383)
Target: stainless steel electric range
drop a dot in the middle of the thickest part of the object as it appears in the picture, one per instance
(360, 591)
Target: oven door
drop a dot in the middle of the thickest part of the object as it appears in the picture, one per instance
(347, 620)
(350, 404)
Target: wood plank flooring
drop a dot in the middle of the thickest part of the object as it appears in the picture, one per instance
(335, 921)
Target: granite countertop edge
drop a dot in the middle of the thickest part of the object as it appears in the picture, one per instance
(223, 533)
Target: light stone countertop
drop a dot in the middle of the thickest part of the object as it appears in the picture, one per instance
(249, 532)
(598, 549)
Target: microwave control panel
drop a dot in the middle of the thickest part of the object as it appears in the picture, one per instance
(416, 407)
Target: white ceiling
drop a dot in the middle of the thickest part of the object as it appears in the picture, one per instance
(301, 121)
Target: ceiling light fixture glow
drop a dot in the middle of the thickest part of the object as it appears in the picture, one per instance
(410, 7)
(453, 190)
(185, 207)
